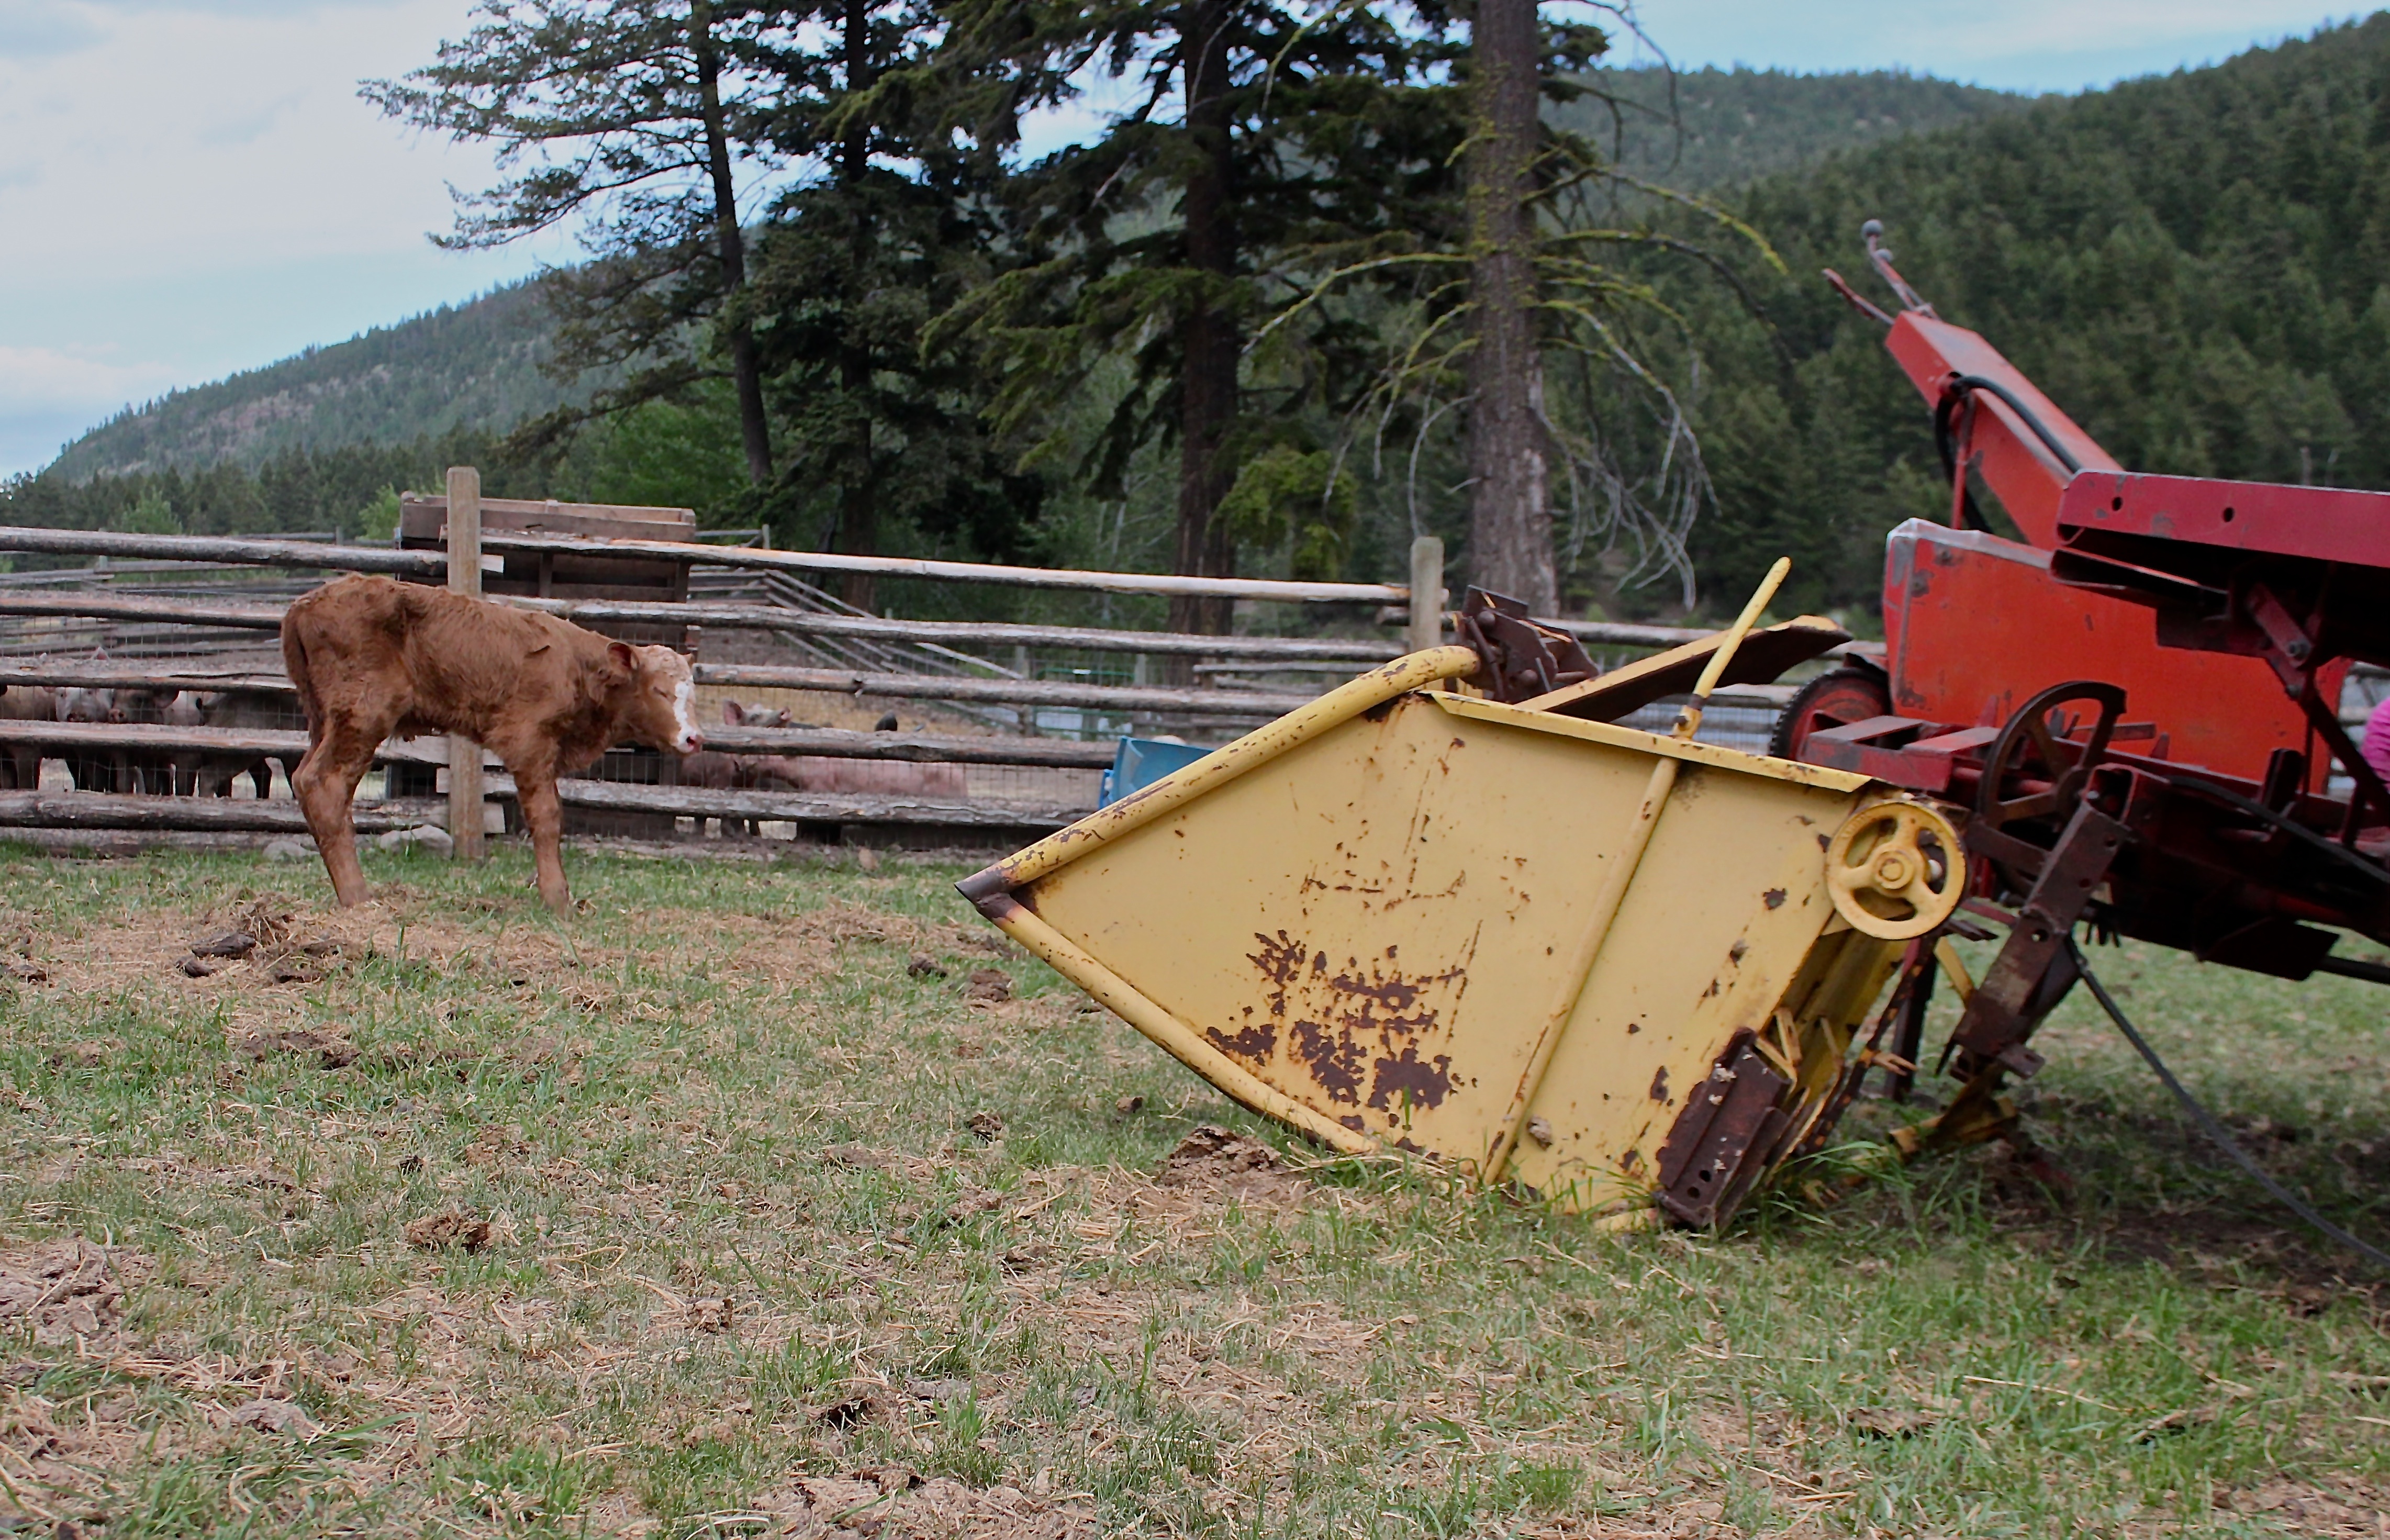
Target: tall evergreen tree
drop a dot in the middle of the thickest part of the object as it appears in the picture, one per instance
(631, 116)
(888, 230)
(1258, 129)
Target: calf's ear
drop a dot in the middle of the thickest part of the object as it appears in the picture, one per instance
(621, 657)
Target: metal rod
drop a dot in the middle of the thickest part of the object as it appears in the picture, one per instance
(1688, 720)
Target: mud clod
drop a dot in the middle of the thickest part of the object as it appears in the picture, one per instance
(988, 986)
(924, 966)
(848, 1413)
(329, 1053)
(987, 1127)
(444, 1229)
(1211, 1152)
(710, 1315)
(232, 944)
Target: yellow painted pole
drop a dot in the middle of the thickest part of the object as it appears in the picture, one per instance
(1612, 893)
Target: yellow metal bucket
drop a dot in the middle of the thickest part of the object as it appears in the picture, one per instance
(1605, 964)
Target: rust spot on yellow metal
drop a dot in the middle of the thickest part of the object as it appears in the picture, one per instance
(1355, 1028)
(1773, 898)
(1660, 1084)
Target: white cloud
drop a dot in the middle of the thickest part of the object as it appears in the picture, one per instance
(49, 379)
(196, 183)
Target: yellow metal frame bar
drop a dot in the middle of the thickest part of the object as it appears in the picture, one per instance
(1621, 876)
(1666, 745)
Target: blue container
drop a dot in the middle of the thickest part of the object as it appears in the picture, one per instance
(1140, 763)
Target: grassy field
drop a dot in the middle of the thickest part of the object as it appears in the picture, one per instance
(737, 1205)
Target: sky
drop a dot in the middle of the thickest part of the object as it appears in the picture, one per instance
(192, 187)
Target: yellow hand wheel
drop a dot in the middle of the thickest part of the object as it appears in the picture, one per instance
(1894, 869)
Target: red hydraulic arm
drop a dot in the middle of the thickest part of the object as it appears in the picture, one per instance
(1987, 416)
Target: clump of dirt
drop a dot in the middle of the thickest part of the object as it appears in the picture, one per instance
(874, 1503)
(444, 1229)
(274, 1415)
(710, 1315)
(1211, 1153)
(988, 986)
(330, 1053)
(65, 1289)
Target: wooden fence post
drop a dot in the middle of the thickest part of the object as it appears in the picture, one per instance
(465, 577)
(1426, 629)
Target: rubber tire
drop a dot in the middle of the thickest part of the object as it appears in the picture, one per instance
(1832, 700)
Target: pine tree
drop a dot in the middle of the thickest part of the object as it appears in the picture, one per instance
(1509, 509)
(887, 231)
(630, 117)
(1262, 130)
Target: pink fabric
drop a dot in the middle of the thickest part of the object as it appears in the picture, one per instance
(2377, 740)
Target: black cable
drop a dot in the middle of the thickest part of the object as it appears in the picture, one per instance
(1959, 382)
(2211, 1127)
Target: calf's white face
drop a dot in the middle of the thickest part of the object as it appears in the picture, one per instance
(660, 707)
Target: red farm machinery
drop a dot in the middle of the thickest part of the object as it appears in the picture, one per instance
(2136, 702)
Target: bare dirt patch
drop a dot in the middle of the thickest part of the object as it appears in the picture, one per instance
(62, 1290)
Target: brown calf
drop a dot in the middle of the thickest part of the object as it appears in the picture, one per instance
(372, 656)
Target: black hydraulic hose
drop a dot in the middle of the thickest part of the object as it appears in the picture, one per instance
(1959, 383)
(2210, 1126)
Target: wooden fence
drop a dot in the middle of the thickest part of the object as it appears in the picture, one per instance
(1227, 696)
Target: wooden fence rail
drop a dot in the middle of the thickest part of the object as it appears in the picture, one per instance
(822, 742)
(108, 810)
(748, 617)
(434, 564)
(1122, 699)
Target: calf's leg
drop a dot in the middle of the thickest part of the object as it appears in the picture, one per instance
(544, 816)
(339, 752)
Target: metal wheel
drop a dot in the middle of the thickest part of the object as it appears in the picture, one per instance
(2035, 743)
(1832, 700)
(1894, 869)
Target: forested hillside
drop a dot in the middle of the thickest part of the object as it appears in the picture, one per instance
(470, 365)
(2195, 266)
(1701, 129)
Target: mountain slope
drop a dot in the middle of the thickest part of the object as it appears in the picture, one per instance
(469, 366)
(1703, 130)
